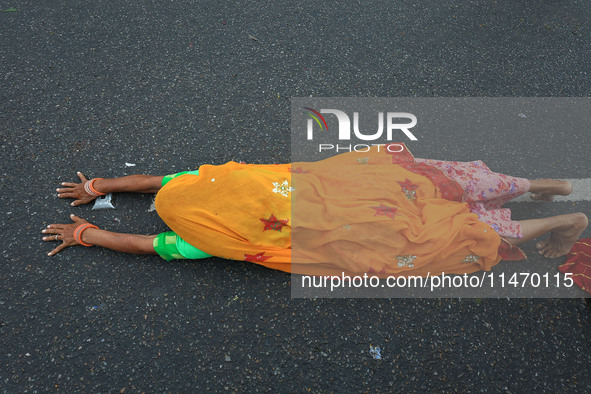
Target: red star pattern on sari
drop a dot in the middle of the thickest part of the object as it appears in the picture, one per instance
(408, 188)
(273, 223)
(256, 258)
(384, 210)
(408, 185)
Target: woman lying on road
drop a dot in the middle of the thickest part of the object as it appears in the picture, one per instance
(379, 212)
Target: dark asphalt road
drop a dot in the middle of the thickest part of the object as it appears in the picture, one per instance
(170, 85)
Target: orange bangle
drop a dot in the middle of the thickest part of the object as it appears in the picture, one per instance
(79, 230)
(89, 188)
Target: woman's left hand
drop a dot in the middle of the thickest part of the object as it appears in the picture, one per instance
(76, 191)
(64, 233)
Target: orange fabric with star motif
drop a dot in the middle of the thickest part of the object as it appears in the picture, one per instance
(232, 210)
(369, 212)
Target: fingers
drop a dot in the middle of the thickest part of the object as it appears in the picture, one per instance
(61, 247)
(66, 194)
(82, 177)
(66, 189)
(53, 229)
(82, 201)
(77, 219)
(52, 232)
(75, 191)
(62, 232)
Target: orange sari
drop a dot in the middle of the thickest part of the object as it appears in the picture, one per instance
(373, 212)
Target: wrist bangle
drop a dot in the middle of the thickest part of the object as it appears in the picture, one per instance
(89, 188)
(79, 230)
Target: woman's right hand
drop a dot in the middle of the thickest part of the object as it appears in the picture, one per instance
(75, 191)
(64, 233)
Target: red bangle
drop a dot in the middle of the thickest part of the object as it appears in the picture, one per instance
(79, 230)
(89, 188)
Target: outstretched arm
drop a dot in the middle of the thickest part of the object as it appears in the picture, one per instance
(130, 183)
(128, 243)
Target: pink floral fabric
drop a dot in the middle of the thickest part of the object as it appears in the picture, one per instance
(486, 192)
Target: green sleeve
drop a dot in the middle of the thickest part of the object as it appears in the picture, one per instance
(168, 178)
(172, 247)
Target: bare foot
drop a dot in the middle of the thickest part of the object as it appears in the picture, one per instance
(551, 188)
(542, 197)
(562, 240)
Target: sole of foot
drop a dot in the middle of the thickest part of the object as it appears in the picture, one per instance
(562, 188)
(561, 241)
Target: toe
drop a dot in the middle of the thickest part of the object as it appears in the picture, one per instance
(541, 244)
(545, 248)
(553, 252)
(548, 251)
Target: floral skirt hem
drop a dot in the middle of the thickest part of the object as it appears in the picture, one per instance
(486, 192)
